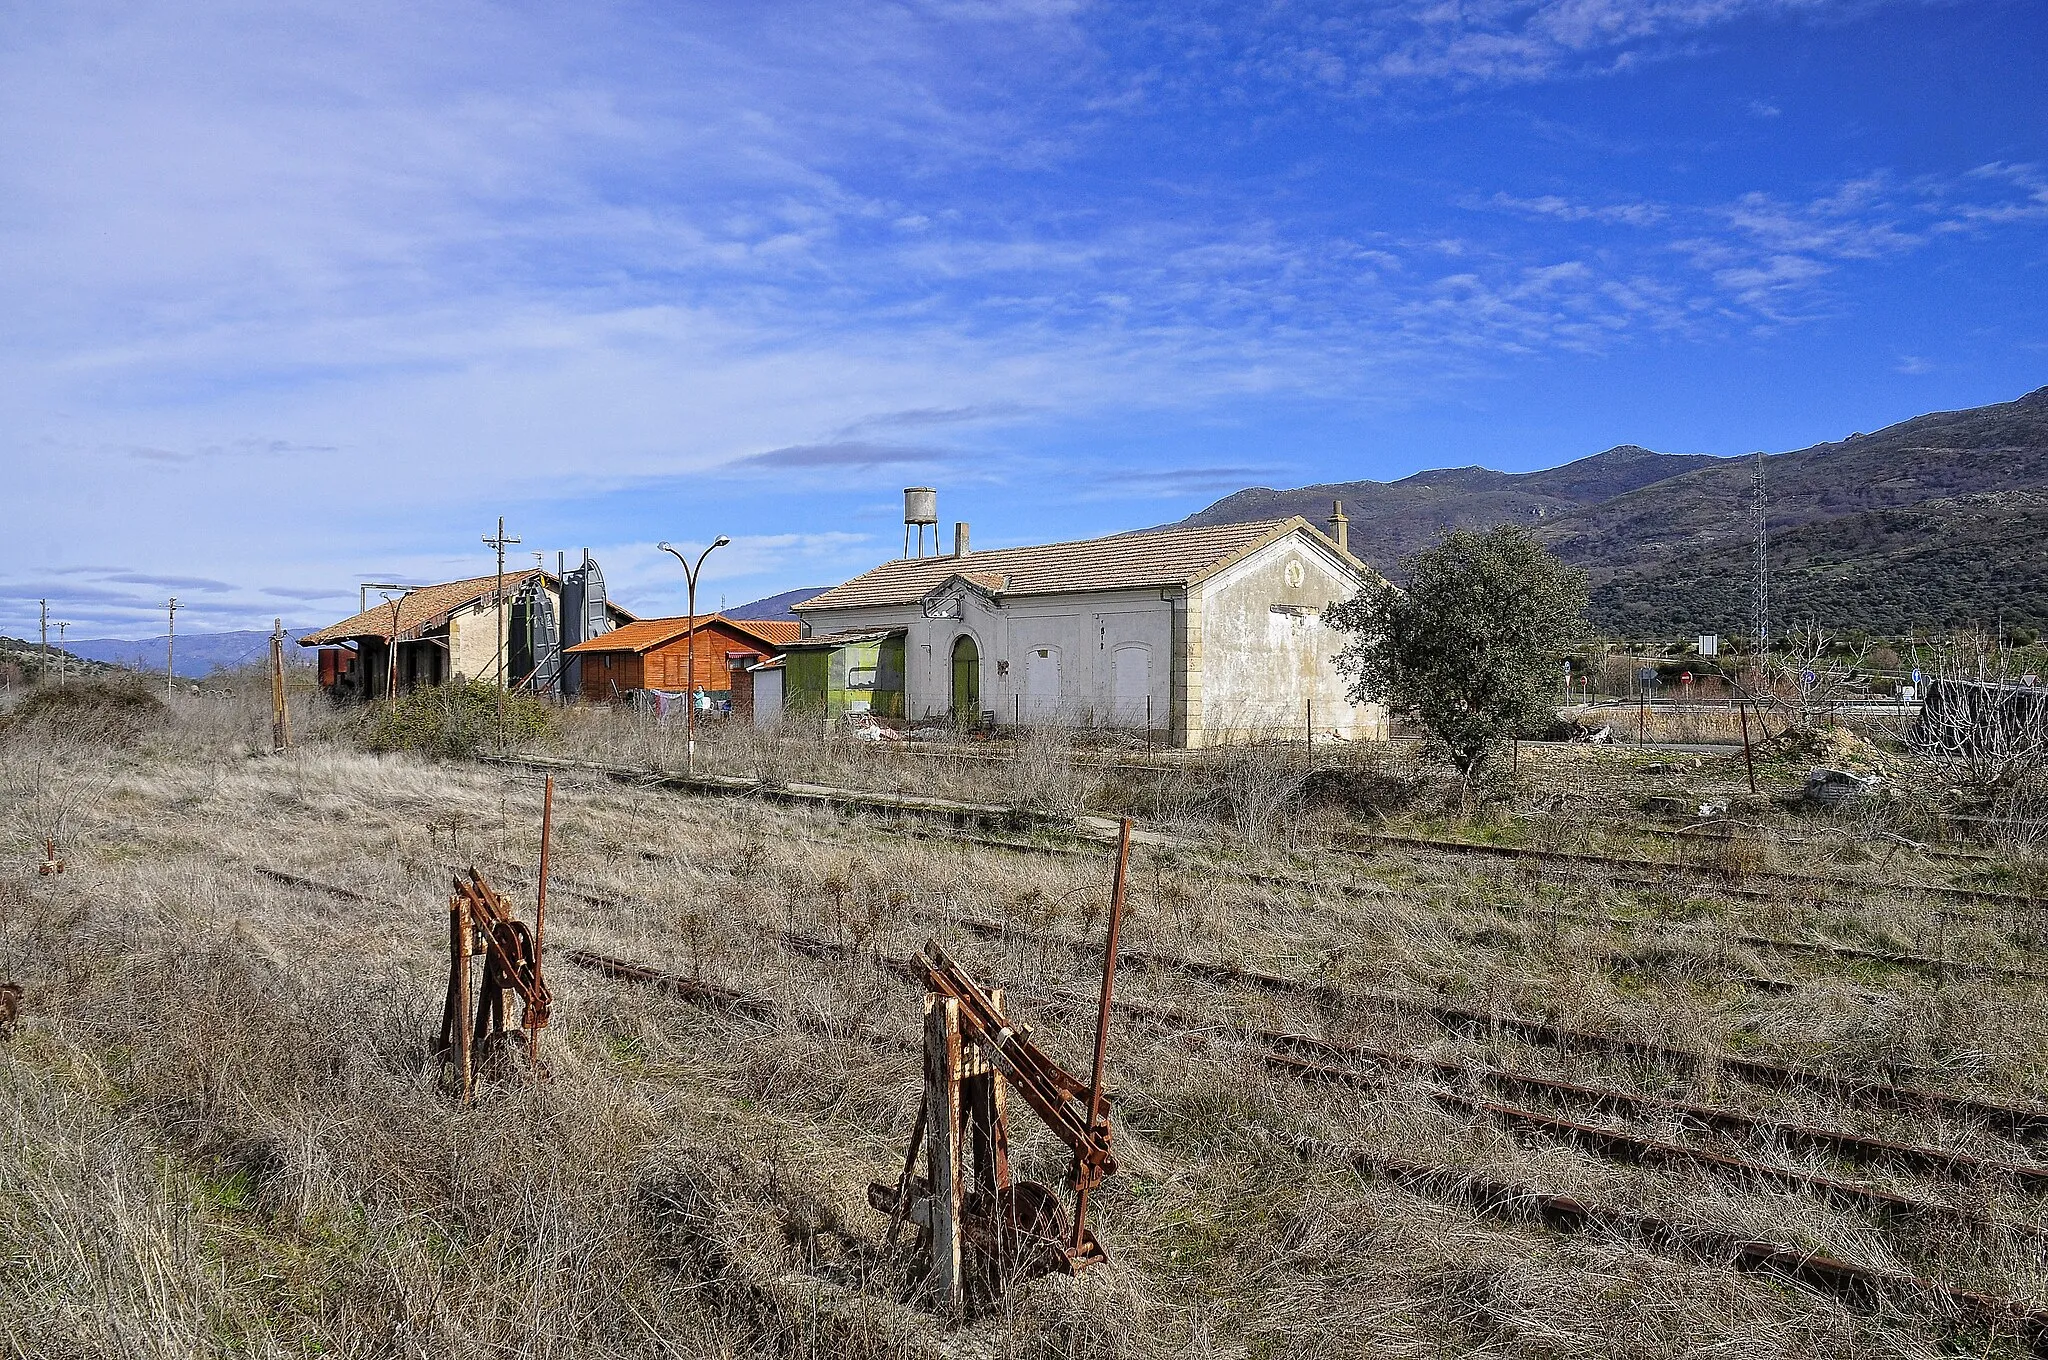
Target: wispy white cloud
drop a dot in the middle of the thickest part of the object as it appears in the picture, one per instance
(310, 286)
(1770, 256)
(1360, 49)
(1567, 210)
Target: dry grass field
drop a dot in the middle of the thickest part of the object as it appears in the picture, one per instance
(224, 1135)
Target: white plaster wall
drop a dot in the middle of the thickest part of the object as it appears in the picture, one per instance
(1262, 667)
(1085, 629)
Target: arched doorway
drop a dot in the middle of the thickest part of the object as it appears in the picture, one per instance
(966, 679)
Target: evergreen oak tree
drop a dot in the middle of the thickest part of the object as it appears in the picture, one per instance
(1467, 648)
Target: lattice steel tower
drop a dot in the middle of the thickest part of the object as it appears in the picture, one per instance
(1760, 592)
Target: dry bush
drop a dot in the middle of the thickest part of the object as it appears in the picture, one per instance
(88, 712)
(456, 721)
(1044, 772)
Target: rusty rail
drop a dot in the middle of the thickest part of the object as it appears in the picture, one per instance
(1858, 1286)
(1617, 1145)
(1364, 842)
(2011, 1119)
(1706, 1118)
(1893, 958)
(707, 994)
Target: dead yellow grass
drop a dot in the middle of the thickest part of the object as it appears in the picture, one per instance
(222, 1136)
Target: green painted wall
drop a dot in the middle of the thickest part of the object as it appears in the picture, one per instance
(847, 679)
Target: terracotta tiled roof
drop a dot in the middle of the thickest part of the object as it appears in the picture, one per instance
(647, 634)
(420, 608)
(428, 606)
(781, 632)
(1163, 557)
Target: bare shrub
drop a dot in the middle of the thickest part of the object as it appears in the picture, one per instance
(456, 720)
(1044, 774)
(1260, 783)
(1979, 748)
(105, 712)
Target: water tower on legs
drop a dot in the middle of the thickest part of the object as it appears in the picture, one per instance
(920, 507)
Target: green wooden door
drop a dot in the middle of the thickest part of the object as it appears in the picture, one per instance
(966, 680)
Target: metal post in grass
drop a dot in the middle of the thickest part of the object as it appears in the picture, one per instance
(1085, 1178)
(690, 653)
(1748, 758)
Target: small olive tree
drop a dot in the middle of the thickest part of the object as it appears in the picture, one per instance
(1466, 648)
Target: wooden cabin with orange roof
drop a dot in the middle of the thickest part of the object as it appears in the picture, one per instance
(657, 654)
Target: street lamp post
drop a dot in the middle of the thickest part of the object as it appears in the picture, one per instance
(690, 651)
(391, 659)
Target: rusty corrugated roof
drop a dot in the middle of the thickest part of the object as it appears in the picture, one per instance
(647, 634)
(1178, 556)
(845, 637)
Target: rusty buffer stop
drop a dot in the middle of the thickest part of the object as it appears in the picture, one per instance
(475, 1039)
(977, 1228)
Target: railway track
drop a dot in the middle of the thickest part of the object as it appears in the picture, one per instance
(1281, 1052)
(1859, 1286)
(1890, 957)
(964, 814)
(1619, 1145)
(2016, 1120)
(1368, 842)
(1774, 944)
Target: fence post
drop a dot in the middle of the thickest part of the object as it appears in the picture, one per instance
(942, 1146)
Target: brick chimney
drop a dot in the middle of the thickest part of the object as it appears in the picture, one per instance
(960, 538)
(1340, 527)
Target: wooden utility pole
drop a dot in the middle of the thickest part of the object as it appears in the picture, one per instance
(280, 718)
(61, 626)
(43, 665)
(500, 543)
(170, 645)
(391, 652)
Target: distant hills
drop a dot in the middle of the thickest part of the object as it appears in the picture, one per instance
(1934, 522)
(22, 658)
(775, 606)
(197, 655)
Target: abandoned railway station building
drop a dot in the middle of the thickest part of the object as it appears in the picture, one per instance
(429, 635)
(1197, 634)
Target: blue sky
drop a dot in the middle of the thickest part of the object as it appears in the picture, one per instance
(300, 295)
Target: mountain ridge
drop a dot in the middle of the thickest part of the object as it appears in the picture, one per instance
(1925, 523)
